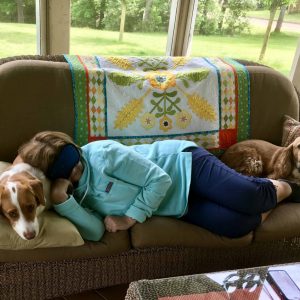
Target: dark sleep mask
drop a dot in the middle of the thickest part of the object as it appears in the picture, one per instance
(64, 163)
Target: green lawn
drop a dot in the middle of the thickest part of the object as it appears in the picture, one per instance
(264, 14)
(279, 54)
(20, 39)
(17, 39)
(91, 41)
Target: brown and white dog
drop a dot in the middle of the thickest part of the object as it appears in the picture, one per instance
(24, 194)
(263, 159)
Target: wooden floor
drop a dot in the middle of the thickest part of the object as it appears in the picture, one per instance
(111, 293)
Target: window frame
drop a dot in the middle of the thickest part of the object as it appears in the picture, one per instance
(181, 27)
(295, 70)
(53, 22)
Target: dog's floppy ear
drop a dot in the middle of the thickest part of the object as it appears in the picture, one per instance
(283, 165)
(37, 188)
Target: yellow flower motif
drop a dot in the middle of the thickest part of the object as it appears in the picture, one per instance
(147, 120)
(165, 123)
(161, 79)
(183, 119)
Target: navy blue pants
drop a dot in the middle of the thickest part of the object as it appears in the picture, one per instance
(223, 200)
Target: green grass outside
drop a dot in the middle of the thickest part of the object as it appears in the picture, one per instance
(20, 39)
(90, 41)
(265, 14)
(17, 39)
(279, 55)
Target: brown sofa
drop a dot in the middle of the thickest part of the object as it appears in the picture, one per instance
(36, 95)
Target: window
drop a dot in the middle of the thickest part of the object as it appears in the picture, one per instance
(236, 29)
(17, 28)
(122, 27)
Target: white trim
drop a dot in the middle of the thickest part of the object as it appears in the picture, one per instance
(295, 71)
(41, 30)
(190, 25)
(53, 26)
(172, 27)
(38, 26)
(183, 13)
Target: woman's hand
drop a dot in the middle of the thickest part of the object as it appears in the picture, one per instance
(115, 223)
(60, 189)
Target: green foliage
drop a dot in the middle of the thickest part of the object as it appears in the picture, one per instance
(207, 17)
(274, 4)
(84, 13)
(159, 17)
(134, 14)
(212, 17)
(8, 11)
(228, 18)
(235, 18)
(7, 7)
(158, 21)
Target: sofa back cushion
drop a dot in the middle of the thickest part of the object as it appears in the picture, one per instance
(272, 96)
(34, 96)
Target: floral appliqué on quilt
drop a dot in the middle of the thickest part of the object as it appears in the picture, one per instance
(165, 92)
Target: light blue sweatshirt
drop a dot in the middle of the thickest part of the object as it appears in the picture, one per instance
(137, 181)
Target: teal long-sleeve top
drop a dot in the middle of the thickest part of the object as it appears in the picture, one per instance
(137, 181)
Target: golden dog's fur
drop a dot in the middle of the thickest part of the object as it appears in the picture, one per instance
(263, 159)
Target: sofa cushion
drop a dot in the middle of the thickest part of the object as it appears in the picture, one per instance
(272, 95)
(283, 222)
(170, 232)
(291, 130)
(55, 231)
(110, 244)
(35, 96)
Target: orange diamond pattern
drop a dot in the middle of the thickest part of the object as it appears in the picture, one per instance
(96, 100)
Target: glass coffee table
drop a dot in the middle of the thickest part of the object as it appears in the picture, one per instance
(263, 283)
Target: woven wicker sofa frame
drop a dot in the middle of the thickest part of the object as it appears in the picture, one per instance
(35, 95)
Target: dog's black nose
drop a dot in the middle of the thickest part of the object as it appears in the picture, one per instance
(29, 235)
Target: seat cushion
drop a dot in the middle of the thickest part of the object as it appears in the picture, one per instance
(55, 231)
(170, 232)
(283, 222)
(110, 244)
